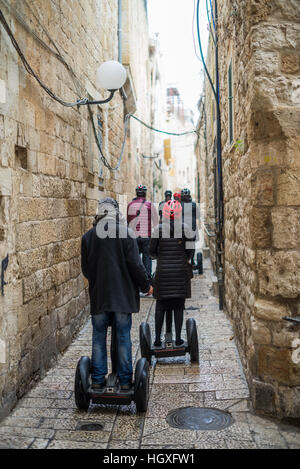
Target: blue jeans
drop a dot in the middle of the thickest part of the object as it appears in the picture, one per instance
(100, 324)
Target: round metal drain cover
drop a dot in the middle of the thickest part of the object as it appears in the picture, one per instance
(89, 427)
(199, 418)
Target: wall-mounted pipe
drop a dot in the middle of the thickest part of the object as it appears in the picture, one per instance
(120, 31)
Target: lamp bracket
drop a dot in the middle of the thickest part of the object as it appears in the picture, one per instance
(81, 102)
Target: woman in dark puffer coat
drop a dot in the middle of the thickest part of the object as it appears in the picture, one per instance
(171, 245)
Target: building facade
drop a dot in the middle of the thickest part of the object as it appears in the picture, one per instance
(259, 47)
(179, 150)
(51, 171)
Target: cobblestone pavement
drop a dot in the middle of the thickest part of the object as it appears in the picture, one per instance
(47, 416)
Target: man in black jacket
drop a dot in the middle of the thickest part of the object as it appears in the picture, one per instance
(110, 261)
(168, 196)
(190, 215)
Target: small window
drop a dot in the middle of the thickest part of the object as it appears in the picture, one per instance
(21, 157)
(230, 104)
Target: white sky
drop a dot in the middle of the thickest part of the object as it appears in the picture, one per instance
(173, 20)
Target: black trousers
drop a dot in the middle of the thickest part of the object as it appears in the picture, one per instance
(143, 244)
(168, 307)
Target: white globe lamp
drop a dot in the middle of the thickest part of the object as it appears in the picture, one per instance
(111, 75)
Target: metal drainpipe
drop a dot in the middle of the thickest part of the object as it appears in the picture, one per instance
(220, 241)
(120, 31)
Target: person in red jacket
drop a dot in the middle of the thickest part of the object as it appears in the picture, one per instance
(141, 218)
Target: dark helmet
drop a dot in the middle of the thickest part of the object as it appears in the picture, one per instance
(185, 194)
(141, 190)
(168, 193)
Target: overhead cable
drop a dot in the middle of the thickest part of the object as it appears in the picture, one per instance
(162, 131)
(209, 22)
(78, 102)
(202, 56)
(212, 15)
(30, 70)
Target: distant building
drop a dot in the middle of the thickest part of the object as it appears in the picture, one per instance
(179, 150)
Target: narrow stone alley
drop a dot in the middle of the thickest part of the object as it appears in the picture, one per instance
(47, 416)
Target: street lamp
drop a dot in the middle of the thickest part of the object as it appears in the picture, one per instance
(111, 75)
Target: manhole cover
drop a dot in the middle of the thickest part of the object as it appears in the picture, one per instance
(199, 418)
(89, 427)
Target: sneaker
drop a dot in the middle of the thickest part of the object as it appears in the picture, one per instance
(179, 342)
(125, 387)
(157, 343)
(98, 386)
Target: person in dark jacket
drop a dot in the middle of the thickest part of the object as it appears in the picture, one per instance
(171, 245)
(190, 215)
(168, 196)
(142, 217)
(110, 261)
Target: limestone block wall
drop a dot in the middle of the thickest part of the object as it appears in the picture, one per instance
(206, 152)
(261, 192)
(49, 173)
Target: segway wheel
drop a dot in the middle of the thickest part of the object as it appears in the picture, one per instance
(141, 385)
(145, 341)
(192, 339)
(82, 398)
(200, 262)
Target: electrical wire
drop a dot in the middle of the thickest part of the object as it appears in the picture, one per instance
(105, 162)
(193, 33)
(209, 23)
(79, 86)
(56, 53)
(212, 15)
(78, 102)
(162, 131)
(150, 157)
(202, 56)
(50, 93)
(30, 70)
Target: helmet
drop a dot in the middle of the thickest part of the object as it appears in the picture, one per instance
(168, 193)
(141, 190)
(177, 196)
(172, 210)
(185, 194)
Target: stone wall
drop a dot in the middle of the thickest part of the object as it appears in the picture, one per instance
(261, 192)
(50, 168)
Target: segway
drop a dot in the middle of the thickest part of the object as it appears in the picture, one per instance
(111, 393)
(168, 347)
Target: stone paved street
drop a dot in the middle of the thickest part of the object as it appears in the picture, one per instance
(47, 416)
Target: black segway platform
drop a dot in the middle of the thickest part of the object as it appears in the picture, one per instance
(169, 347)
(111, 394)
